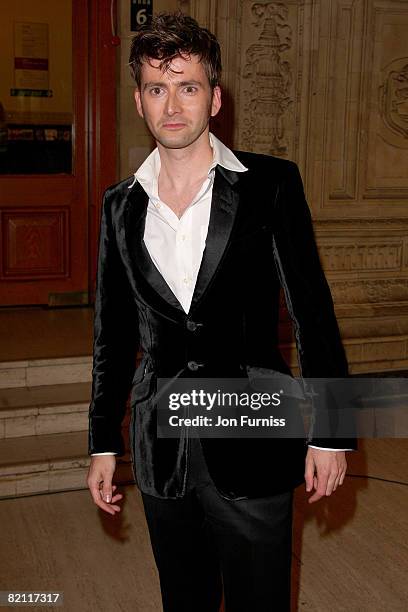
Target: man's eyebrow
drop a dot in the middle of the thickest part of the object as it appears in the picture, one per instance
(154, 84)
(177, 83)
(185, 83)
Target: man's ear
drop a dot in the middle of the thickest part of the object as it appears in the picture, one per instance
(216, 101)
(138, 102)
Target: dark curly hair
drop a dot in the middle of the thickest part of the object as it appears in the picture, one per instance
(170, 35)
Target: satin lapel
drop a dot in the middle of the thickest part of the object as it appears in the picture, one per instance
(156, 291)
(224, 206)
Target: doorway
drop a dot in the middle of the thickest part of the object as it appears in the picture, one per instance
(53, 165)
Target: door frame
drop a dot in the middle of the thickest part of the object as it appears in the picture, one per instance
(101, 125)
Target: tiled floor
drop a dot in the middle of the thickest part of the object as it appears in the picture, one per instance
(40, 333)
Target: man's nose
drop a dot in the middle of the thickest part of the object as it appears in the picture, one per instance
(173, 103)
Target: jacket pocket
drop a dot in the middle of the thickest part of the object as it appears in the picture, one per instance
(265, 379)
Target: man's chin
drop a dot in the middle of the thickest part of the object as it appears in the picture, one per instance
(178, 140)
(175, 141)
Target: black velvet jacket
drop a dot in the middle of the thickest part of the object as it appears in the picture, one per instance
(260, 236)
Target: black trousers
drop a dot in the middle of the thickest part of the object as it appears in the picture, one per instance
(204, 544)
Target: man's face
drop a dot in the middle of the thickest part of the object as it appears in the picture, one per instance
(176, 104)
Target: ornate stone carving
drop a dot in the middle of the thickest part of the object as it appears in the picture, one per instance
(393, 103)
(397, 224)
(348, 257)
(325, 83)
(268, 78)
(370, 291)
(384, 147)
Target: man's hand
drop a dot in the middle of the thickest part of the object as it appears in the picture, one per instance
(99, 481)
(324, 471)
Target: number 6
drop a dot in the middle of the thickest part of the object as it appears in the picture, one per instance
(141, 17)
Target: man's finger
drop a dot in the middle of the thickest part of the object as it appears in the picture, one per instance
(107, 489)
(96, 496)
(315, 497)
(341, 474)
(337, 481)
(320, 486)
(331, 481)
(340, 477)
(117, 496)
(114, 499)
(110, 508)
(309, 474)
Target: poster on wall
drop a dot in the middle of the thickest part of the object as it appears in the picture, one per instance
(141, 12)
(31, 60)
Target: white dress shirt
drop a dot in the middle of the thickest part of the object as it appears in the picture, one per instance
(175, 244)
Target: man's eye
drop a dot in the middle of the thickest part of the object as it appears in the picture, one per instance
(156, 91)
(190, 89)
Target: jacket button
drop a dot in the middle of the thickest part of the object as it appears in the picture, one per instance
(193, 365)
(191, 325)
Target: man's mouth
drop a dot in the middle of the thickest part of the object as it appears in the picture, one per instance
(173, 126)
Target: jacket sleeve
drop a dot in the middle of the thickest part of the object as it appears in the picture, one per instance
(115, 342)
(308, 297)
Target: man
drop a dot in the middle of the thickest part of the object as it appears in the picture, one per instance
(193, 251)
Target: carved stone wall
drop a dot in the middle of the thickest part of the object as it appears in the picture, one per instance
(325, 83)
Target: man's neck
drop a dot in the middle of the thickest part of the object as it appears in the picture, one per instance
(182, 169)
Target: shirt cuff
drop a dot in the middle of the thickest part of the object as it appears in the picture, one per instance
(108, 453)
(330, 449)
